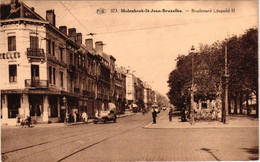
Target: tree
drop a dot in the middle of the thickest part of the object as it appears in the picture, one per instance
(209, 71)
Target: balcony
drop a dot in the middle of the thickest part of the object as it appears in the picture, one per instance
(88, 93)
(76, 90)
(105, 97)
(72, 68)
(99, 95)
(85, 93)
(35, 53)
(29, 83)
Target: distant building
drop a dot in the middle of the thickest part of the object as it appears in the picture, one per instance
(130, 87)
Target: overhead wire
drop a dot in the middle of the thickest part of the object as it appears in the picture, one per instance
(75, 17)
(155, 27)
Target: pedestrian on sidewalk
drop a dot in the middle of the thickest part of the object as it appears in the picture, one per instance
(143, 111)
(170, 114)
(75, 116)
(154, 114)
(85, 117)
(29, 120)
(18, 120)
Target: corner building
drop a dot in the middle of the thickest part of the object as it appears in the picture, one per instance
(34, 65)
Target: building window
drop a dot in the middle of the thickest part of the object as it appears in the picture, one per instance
(54, 76)
(79, 60)
(83, 61)
(53, 48)
(35, 73)
(34, 43)
(61, 54)
(75, 60)
(61, 79)
(12, 73)
(48, 43)
(71, 58)
(50, 74)
(12, 43)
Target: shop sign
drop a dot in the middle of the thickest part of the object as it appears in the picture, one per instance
(10, 55)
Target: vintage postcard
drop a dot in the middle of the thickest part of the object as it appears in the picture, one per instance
(129, 80)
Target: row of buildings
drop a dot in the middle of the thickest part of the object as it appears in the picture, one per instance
(47, 71)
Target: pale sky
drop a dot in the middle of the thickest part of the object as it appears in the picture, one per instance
(150, 42)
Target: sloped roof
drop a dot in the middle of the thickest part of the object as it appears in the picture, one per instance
(20, 10)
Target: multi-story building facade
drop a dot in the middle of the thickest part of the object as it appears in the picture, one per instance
(120, 89)
(32, 64)
(130, 88)
(47, 72)
(103, 78)
(139, 92)
(89, 77)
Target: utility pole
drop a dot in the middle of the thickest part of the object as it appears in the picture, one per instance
(192, 87)
(226, 89)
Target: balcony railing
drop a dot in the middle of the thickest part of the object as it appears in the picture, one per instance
(88, 93)
(29, 83)
(72, 68)
(76, 90)
(35, 52)
(105, 97)
(99, 95)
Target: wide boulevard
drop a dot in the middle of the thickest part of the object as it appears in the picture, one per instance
(127, 140)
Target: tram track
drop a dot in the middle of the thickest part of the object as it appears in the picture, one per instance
(42, 143)
(67, 141)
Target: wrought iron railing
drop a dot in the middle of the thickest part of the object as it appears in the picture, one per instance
(35, 52)
(76, 90)
(29, 83)
(88, 93)
(72, 68)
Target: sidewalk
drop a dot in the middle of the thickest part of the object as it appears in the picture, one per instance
(127, 113)
(234, 122)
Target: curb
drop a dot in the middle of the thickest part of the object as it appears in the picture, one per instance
(203, 127)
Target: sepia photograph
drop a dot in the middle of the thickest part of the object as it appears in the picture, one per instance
(128, 80)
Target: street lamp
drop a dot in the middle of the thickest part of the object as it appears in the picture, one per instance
(226, 77)
(192, 86)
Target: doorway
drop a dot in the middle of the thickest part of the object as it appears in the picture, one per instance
(36, 105)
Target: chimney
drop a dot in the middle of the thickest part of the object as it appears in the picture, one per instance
(50, 16)
(99, 47)
(79, 38)
(72, 34)
(63, 29)
(89, 44)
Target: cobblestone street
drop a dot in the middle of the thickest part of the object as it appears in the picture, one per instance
(127, 140)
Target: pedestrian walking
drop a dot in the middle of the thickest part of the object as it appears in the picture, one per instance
(143, 111)
(170, 114)
(28, 121)
(18, 120)
(154, 114)
(85, 117)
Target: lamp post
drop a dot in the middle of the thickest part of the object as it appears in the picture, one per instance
(226, 76)
(192, 87)
(65, 105)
